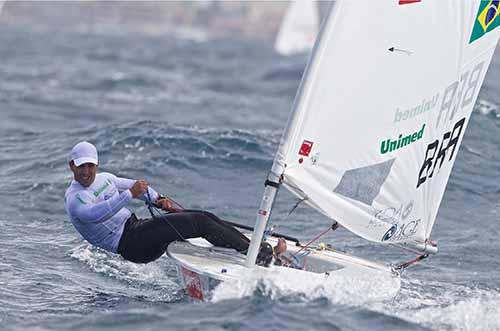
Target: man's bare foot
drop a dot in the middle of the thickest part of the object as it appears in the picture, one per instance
(280, 248)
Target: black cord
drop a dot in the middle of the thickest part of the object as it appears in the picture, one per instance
(296, 205)
(152, 207)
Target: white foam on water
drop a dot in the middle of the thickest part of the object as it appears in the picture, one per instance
(485, 107)
(150, 280)
(475, 310)
(352, 286)
(444, 306)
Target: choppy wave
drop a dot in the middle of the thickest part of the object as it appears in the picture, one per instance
(478, 311)
(486, 107)
(153, 282)
(147, 145)
(449, 307)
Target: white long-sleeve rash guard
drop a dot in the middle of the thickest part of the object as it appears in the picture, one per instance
(98, 212)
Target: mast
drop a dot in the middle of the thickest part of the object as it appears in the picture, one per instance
(273, 180)
(271, 189)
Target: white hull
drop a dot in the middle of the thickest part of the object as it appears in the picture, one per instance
(201, 267)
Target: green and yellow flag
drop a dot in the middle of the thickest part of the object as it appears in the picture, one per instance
(488, 18)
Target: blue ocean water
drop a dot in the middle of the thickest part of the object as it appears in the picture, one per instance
(201, 122)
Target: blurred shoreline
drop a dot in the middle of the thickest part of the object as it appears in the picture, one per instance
(196, 19)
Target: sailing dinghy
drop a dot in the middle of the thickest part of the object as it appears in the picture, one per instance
(373, 134)
(298, 29)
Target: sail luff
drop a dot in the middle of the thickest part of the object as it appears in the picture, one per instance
(303, 93)
(278, 167)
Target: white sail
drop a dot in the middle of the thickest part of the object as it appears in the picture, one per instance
(382, 110)
(1, 5)
(299, 28)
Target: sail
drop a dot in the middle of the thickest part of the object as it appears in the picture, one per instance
(382, 109)
(298, 29)
(1, 5)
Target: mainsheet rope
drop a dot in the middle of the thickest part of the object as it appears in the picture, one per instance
(153, 207)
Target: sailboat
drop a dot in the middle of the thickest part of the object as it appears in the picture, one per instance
(374, 131)
(298, 29)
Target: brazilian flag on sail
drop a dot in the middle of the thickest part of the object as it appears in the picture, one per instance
(488, 18)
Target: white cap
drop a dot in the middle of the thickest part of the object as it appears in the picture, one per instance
(83, 152)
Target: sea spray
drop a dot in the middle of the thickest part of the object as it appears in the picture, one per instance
(351, 285)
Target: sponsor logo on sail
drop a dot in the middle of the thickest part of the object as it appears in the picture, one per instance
(425, 106)
(305, 148)
(395, 214)
(407, 2)
(388, 235)
(390, 145)
(401, 232)
(403, 226)
(391, 214)
(487, 19)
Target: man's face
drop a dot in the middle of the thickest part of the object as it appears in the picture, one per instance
(84, 174)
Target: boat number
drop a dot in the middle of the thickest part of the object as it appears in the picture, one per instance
(435, 157)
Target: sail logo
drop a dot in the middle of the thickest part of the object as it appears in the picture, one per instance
(407, 2)
(389, 145)
(388, 235)
(425, 106)
(449, 141)
(402, 232)
(305, 148)
(487, 19)
(395, 215)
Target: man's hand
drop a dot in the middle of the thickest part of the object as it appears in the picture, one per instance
(280, 248)
(166, 204)
(139, 187)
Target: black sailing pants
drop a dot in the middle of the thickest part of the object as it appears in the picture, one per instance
(145, 240)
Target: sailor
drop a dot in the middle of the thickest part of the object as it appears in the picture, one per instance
(96, 204)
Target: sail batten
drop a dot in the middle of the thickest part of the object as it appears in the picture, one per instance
(381, 112)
